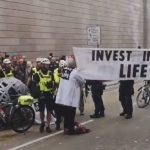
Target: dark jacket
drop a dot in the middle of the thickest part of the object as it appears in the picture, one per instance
(126, 87)
(97, 86)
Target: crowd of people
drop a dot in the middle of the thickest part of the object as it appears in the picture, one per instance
(57, 85)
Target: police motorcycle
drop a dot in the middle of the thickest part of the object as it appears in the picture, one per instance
(16, 110)
(17, 116)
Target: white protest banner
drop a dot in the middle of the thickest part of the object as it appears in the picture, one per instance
(113, 64)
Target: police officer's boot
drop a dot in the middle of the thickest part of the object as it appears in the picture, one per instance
(48, 130)
(42, 127)
(58, 127)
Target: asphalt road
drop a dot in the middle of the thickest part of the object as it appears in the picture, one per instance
(110, 133)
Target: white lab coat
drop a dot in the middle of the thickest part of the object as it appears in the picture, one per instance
(69, 90)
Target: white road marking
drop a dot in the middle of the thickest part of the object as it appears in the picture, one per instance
(45, 137)
(52, 135)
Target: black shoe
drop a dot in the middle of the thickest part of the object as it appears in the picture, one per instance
(48, 130)
(102, 115)
(82, 114)
(58, 127)
(42, 127)
(128, 116)
(122, 113)
(95, 116)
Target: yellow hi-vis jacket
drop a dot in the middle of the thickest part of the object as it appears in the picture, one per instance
(10, 74)
(45, 81)
(56, 76)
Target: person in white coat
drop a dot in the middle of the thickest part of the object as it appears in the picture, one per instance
(68, 97)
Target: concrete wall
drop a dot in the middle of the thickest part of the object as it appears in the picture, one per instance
(37, 27)
(147, 24)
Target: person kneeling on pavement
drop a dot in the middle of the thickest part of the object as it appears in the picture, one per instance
(44, 82)
(68, 97)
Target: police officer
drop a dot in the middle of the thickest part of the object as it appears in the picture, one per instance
(97, 88)
(126, 90)
(38, 66)
(43, 80)
(58, 108)
(6, 70)
(34, 70)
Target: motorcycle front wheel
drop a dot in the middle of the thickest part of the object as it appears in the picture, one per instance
(22, 119)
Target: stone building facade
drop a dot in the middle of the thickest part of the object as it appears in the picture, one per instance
(38, 27)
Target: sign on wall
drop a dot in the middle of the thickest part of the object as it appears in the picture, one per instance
(93, 36)
(113, 64)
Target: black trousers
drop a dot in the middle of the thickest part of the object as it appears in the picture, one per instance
(127, 105)
(69, 117)
(98, 103)
(46, 101)
(59, 113)
(81, 105)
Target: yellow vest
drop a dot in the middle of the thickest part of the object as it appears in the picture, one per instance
(10, 74)
(25, 100)
(44, 81)
(56, 76)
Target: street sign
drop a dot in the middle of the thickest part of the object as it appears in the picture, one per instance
(94, 36)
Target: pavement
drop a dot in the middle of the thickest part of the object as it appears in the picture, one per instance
(109, 133)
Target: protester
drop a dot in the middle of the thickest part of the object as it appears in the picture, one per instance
(97, 88)
(126, 90)
(68, 96)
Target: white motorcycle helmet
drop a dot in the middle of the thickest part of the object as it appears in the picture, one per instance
(6, 61)
(62, 63)
(45, 61)
(39, 59)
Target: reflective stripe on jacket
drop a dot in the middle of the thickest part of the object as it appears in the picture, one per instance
(10, 74)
